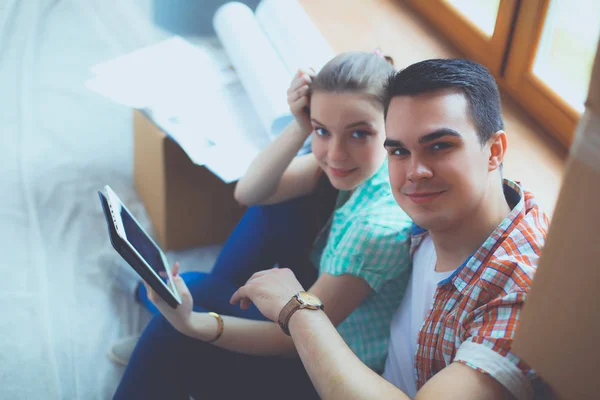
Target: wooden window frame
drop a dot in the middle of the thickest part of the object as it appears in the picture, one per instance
(550, 109)
(466, 35)
(509, 54)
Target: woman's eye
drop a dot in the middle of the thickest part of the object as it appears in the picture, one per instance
(321, 131)
(400, 151)
(360, 134)
(441, 146)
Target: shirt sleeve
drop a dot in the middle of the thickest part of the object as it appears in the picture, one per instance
(373, 252)
(488, 346)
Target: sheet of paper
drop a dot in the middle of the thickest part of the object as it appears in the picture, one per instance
(230, 162)
(221, 99)
(223, 122)
(194, 95)
(258, 66)
(187, 133)
(121, 90)
(168, 74)
(171, 55)
(293, 35)
(238, 142)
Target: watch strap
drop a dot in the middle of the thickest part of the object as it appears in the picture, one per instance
(290, 308)
(286, 313)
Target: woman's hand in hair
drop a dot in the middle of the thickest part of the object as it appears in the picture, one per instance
(298, 96)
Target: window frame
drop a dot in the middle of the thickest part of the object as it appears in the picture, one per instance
(547, 106)
(509, 54)
(471, 40)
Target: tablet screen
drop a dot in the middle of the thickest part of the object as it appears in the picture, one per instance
(138, 239)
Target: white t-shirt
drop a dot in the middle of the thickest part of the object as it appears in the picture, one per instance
(408, 320)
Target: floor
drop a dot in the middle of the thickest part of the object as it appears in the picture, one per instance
(60, 143)
(60, 297)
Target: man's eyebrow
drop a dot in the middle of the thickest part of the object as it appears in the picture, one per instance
(392, 143)
(439, 133)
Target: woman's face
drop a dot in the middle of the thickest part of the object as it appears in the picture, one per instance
(348, 136)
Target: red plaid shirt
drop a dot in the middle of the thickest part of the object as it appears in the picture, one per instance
(476, 310)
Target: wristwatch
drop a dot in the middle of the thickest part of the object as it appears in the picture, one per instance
(301, 300)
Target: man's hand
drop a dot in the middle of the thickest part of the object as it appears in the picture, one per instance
(179, 317)
(269, 290)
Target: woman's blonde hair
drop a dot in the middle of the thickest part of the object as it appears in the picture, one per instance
(355, 72)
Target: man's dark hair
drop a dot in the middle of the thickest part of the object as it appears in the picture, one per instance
(474, 80)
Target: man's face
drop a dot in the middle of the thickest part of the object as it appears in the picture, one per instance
(438, 169)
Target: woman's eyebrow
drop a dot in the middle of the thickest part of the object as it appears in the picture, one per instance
(358, 123)
(351, 125)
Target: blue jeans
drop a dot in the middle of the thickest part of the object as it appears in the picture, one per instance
(266, 235)
(166, 364)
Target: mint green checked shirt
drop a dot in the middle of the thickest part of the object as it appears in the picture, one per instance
(368, 237)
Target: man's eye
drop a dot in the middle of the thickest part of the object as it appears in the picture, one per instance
(400, 151)
(321, 131)
(441, 146)
(360, 134)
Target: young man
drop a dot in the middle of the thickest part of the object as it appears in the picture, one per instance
(475, 249)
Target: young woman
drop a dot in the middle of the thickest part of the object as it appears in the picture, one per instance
(361, 254)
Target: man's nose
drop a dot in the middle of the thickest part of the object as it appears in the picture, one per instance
(418, 171)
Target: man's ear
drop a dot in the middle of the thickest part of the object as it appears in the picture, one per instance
(497, 145)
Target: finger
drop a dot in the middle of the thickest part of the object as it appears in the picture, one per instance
(237, 296)
(180, 285)
(150, 293)
(299, 82)
(307, 71)
(175, 270)
(243, 293)
(302, 80)
(303, 91)
(245, 304)
(298, 95)
(299, 105)
(257, 275)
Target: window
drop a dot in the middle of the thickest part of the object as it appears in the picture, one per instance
(481, 13)
(540, 51)
(566, 49)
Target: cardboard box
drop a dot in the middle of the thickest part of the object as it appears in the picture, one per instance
(188, 205)
(559, 331)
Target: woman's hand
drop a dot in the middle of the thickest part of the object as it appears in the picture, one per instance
(269, 290)
(298, 97)
(179, 317)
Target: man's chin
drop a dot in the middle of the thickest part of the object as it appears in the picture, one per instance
(425, 220)
(434, 223)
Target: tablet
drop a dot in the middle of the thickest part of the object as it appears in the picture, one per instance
(137, 248)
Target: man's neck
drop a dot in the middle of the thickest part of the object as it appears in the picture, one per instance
(454, 245)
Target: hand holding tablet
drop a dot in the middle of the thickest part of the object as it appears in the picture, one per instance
(137, 248)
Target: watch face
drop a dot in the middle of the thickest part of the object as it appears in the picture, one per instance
(309, 299)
